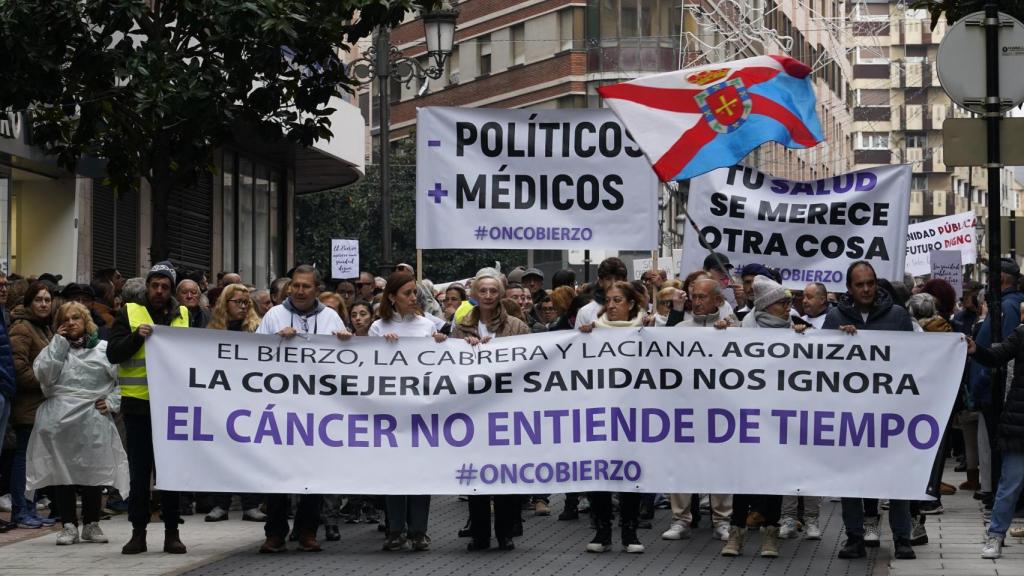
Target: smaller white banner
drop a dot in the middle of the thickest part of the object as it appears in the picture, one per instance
(344, 259)
(946, 265)
(810, 231)
(954, 232)
(641, 265)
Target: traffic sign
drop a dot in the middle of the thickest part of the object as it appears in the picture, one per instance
(961, 59)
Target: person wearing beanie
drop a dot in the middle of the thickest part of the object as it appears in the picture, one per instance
(127, 348)
(865, 307)
(771, 310)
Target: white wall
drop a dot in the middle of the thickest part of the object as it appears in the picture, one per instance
(46, 236)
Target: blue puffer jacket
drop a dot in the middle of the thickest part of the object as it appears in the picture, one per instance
(979, 385)
(7, 385)
(884, 315)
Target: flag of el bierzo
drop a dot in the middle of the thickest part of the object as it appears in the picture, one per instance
(692, 121)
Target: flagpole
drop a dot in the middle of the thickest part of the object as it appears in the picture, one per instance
(714, 255)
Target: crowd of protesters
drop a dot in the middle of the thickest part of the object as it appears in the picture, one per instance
(74, 401)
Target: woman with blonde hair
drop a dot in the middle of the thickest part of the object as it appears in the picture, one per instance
(234, 311)
(74, 444)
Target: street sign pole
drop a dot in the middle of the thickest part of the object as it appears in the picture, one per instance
(992, 116)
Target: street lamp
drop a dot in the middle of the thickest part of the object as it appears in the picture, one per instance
(381, 61)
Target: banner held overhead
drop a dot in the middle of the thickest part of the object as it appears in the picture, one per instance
(531, 179)
(810, 231)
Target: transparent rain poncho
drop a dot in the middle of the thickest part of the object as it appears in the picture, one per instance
(72, 442)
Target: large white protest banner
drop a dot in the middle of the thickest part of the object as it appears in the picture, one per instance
(810, 231)
(956, 232)
(546, 179)
(652, 410)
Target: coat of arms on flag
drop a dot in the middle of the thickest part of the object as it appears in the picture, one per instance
(692, 121)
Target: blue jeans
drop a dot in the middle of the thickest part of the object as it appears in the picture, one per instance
(20, 506)
(899, 517)
(1010, 483)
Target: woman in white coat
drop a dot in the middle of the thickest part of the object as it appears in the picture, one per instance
(74, 444)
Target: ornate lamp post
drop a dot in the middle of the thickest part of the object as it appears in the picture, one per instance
(382, 61)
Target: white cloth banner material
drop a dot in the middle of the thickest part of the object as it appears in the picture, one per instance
(956, 232)
(544, 179)
(810, 231)
(651, 410)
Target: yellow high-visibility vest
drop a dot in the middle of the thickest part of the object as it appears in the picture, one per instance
(132, 373)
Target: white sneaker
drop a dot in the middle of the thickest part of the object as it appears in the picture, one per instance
(217, 514)
(677, 531)
(634, 548)
(43, 503)
(69, 535)
(722, 531)
(787, 528)
(91, 533)
(993, 547)
(5, 503)
(811, 529)
(871, 532)
(254, 515)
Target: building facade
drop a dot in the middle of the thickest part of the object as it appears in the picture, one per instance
(240, 217)
(900, 107)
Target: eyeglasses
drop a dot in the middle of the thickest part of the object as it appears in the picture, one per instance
(242, 302)
(547, 308)
(664, 302)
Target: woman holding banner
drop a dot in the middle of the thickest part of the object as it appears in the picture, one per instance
(400, 317)
(234, 311)
(771, 310)
(485, 321)
(624, 308)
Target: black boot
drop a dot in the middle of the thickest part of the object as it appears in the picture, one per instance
(630, 542)
(602, 541)
(172, 543)
(137, 544)
(332, 533)
(904, 551)
(853, 548)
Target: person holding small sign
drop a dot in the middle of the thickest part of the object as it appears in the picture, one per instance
(400, 317)
(485, 321)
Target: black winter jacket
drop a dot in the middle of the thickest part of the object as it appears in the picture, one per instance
(1010, 436)
(885, 315)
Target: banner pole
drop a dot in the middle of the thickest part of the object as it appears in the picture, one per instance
(718, 261)
(419, 264)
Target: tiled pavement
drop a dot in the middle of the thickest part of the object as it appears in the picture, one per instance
(547, 547)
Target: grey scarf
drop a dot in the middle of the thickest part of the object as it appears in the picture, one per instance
(759, 319)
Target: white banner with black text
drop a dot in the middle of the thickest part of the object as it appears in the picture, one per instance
(810, 231)
(531, 179)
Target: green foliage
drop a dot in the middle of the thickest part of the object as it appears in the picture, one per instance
(957, 9)
(154, 86)
(354, 212)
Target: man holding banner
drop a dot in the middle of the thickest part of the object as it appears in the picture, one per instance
(865, 307)
(301, 313)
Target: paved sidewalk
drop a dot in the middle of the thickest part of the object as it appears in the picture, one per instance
(955, 539)
(547, 547)
(35, 552)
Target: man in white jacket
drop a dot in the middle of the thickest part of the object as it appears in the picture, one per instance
(300, 313)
